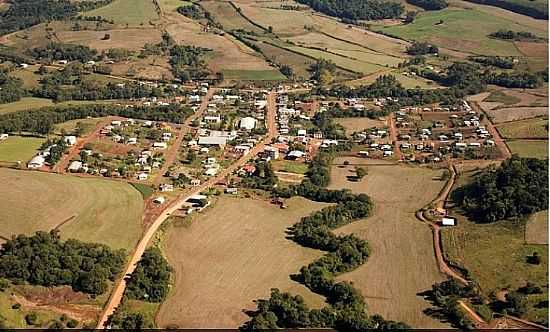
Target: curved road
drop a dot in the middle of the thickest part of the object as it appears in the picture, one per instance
(120, 286)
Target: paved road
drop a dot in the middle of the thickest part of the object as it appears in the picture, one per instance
(120, 286)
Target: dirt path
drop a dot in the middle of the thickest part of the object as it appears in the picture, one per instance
(80, 312)
(120, 286)
(499, 141)
(393, 137)
(172, 153)
(61, 166)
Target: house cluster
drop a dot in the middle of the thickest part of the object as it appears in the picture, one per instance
(127, 132)
(39, 160)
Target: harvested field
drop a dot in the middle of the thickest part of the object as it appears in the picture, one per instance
(253, 75)
(530, 128)
(533, 49)
(299, 63)
(228, 17)
(358, 124)
(131, 12)
(350, 64)
(508, 114)
(29, 103)
(151, 68)
(131, 39)
(87, 209)
(536, 231)
(284, 22)
(18, 148)
(230, 255)
(529, 148)
(402, 263)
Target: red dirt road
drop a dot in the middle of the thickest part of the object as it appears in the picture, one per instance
(120, 285)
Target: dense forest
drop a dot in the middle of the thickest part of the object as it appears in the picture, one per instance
(25, 13)
(517, 188)
(11, 89)
(61, 51)
(495, 61)
(518, 7)
(515, 35)
(429, 4)
(353, 10)
(150, 280)
(44, 259)
(41, 121)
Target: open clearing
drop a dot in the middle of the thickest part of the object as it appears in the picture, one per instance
(529, 128)
(29, 103)
(536, 231)
(228, 17)
(131, 12)
(528, 148)
(462, 30)
(87, 209)
(230, 255)
(131, 39)
(402, 263)
(18, 148)
(352, 125)
(499, 115)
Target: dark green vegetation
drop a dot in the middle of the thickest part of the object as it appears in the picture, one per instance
(495, 61)
(352, 10)
(422, 48)
(11, 89)
(60, 51)
(445, 296)
(25, 13)
(56, 147)
(516, 189)
(42, 121)
(129, 321)
(429, 4)
(517, 36)
(262, 178)
(43, 259)
(535, 9)
(192, 11)
(145, 190)
(149, 281)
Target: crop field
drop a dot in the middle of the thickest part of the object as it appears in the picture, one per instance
(172, 5)
(29, 103)
(529, 148)
(87, 209)
(253, 75)
(228, 17)
(358, 124)
(131, 12)
(230, 255)
(281, 56)
(530, 128)
(536, 231)
(499, 115)
(18, 148)
(153, 67)
(341, 61)
(402, 262)
(285, 23)
(462, 30)
(131, 39)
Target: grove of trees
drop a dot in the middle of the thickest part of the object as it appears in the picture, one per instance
(353, 10)
(429, 4)
(150, 280)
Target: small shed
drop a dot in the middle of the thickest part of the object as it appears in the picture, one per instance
(448, 221)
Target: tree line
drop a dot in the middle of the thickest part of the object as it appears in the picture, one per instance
(533, 10)
(347, 308)
(352, 10)
(495, 61)
(515, 35)
(429, 4)
(44, 259)
(42, 121)
(517, 188)
(63, 51)
(150, 280)
(11, 88)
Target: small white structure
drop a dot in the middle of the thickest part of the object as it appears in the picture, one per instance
(70, 140)
(75, 166)
(3, 137)
(36, 162)
(132, 141)
(160, 145)
(211, 171)
(143, 176)
(302, 132)
(165, 187)
(159, 200)
(248, 123)
(448, 221)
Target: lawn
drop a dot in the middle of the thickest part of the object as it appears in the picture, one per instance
(529, 128)
(29, 103)
(402, 262)
(87, 125)
(461, 29)
(230, 255)
(131, 12)
(18, 148)
(253, 75)
(527, 148)
(88, 209)
(290, 166)
(501, 97)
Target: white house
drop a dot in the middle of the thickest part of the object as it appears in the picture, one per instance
(75, 166)
(159, 200)
(70, 140)
(165, 187)
(3, 137)
(132, 140)
(36, 162)
(143, 176)
(302, 132)
(448, 221)
(248, 123)
(160, 145)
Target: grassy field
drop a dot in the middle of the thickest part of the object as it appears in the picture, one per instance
(402, 263)
(230, 255)
(290, 166)
(18, 148)
(253, 75)
(508, 114)
(28, 103)
(87, 125)
(526, 148)
(462, 30)
(15, 318)
(131, 12)
(536, 231)
(350, 64)
(228, 17)
(358, 124)
(131, 39)
(91, 209)
(501, 97)
(530, 128)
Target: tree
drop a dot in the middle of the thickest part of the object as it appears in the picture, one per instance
(410, 16)
(31, 318)
(287, 71)
(516, 303)
(360, 172)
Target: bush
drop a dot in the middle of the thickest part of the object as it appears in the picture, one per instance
(72, 323)
(31, 318)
